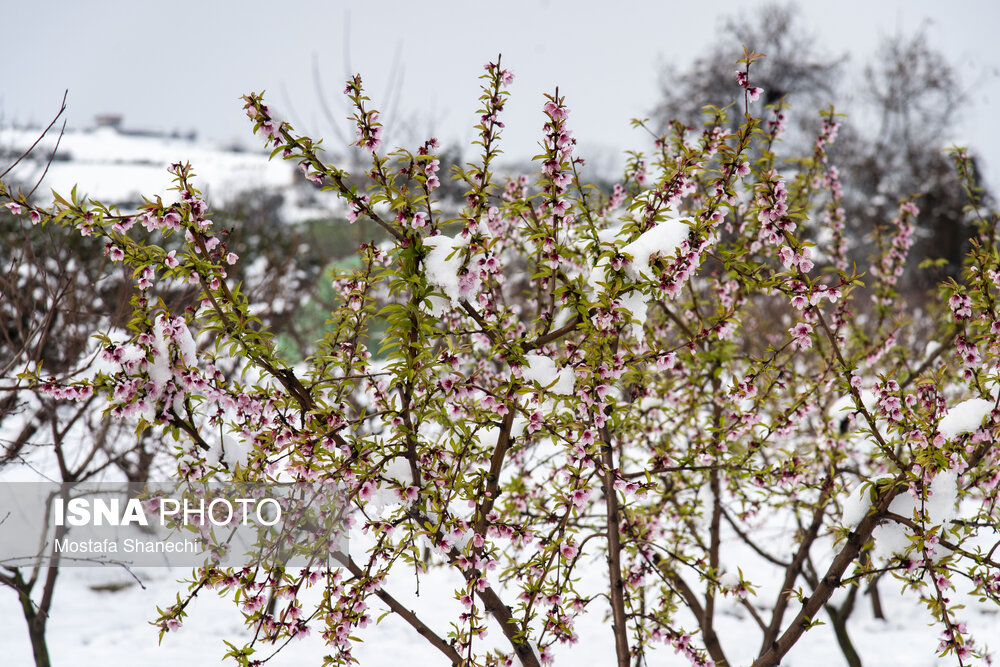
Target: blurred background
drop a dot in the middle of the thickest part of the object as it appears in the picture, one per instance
(182, 67)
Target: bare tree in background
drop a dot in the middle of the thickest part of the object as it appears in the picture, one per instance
(914, 98)
(52, 301)
(57, 288)
(795, 70)
(892, 140)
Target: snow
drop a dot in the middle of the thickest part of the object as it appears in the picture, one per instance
(93, 623)
(662, 240)
(939, 507)
(965, 417)
(235, 452)
(942, 500)
(729, 579)
(118, 167)
(596, 278)
(857, 505)
(636, 303)
(443, 263)
(443, 268)
(609, 234)
(890, 538)
(844, 405)
(543, 370)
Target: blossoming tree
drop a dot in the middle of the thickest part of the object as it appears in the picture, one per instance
(585, 402)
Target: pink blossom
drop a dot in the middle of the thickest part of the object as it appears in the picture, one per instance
(271, 128)
(172, 220)
(800, 336)
(555, 111)
(310, 174)
(961, 306)
(367, 490)
(146, 278)
(254, 603)
(356, 208)
(124, 225)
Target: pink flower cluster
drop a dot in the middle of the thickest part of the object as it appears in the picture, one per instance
(505, 75)
(801, 336)
(369, 132)
(889, 403)
(890, 265)
(772, 202)
(752, 93)
(62, 392)
(828, 132)
(357, 207)
(368, 129)
(17, 209)
(961, 306)
(429, 168)
(776, 124)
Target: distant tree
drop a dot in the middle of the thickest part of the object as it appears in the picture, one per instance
(911, 99)
(57, 288)
(795, 70)
(890, 140)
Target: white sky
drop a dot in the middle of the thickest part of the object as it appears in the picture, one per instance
(183, 65)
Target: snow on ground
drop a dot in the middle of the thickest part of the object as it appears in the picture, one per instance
(92, 625)
(116, 166)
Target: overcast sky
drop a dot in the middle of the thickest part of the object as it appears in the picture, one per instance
(183, 65)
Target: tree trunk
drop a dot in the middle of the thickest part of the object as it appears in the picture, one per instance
(839, 622)
(36, 630)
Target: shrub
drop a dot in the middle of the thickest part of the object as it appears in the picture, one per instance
(634, 382)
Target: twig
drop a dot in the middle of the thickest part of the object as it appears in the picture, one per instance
(62, 108)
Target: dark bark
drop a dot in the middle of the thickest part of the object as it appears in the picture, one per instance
(838, 619)
(772, 653)
(36, 630)
(614, 555)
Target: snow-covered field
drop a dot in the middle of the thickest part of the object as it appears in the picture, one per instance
(113, 166)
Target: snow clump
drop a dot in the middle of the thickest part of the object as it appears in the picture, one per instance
(965, 417)
(543, 370)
